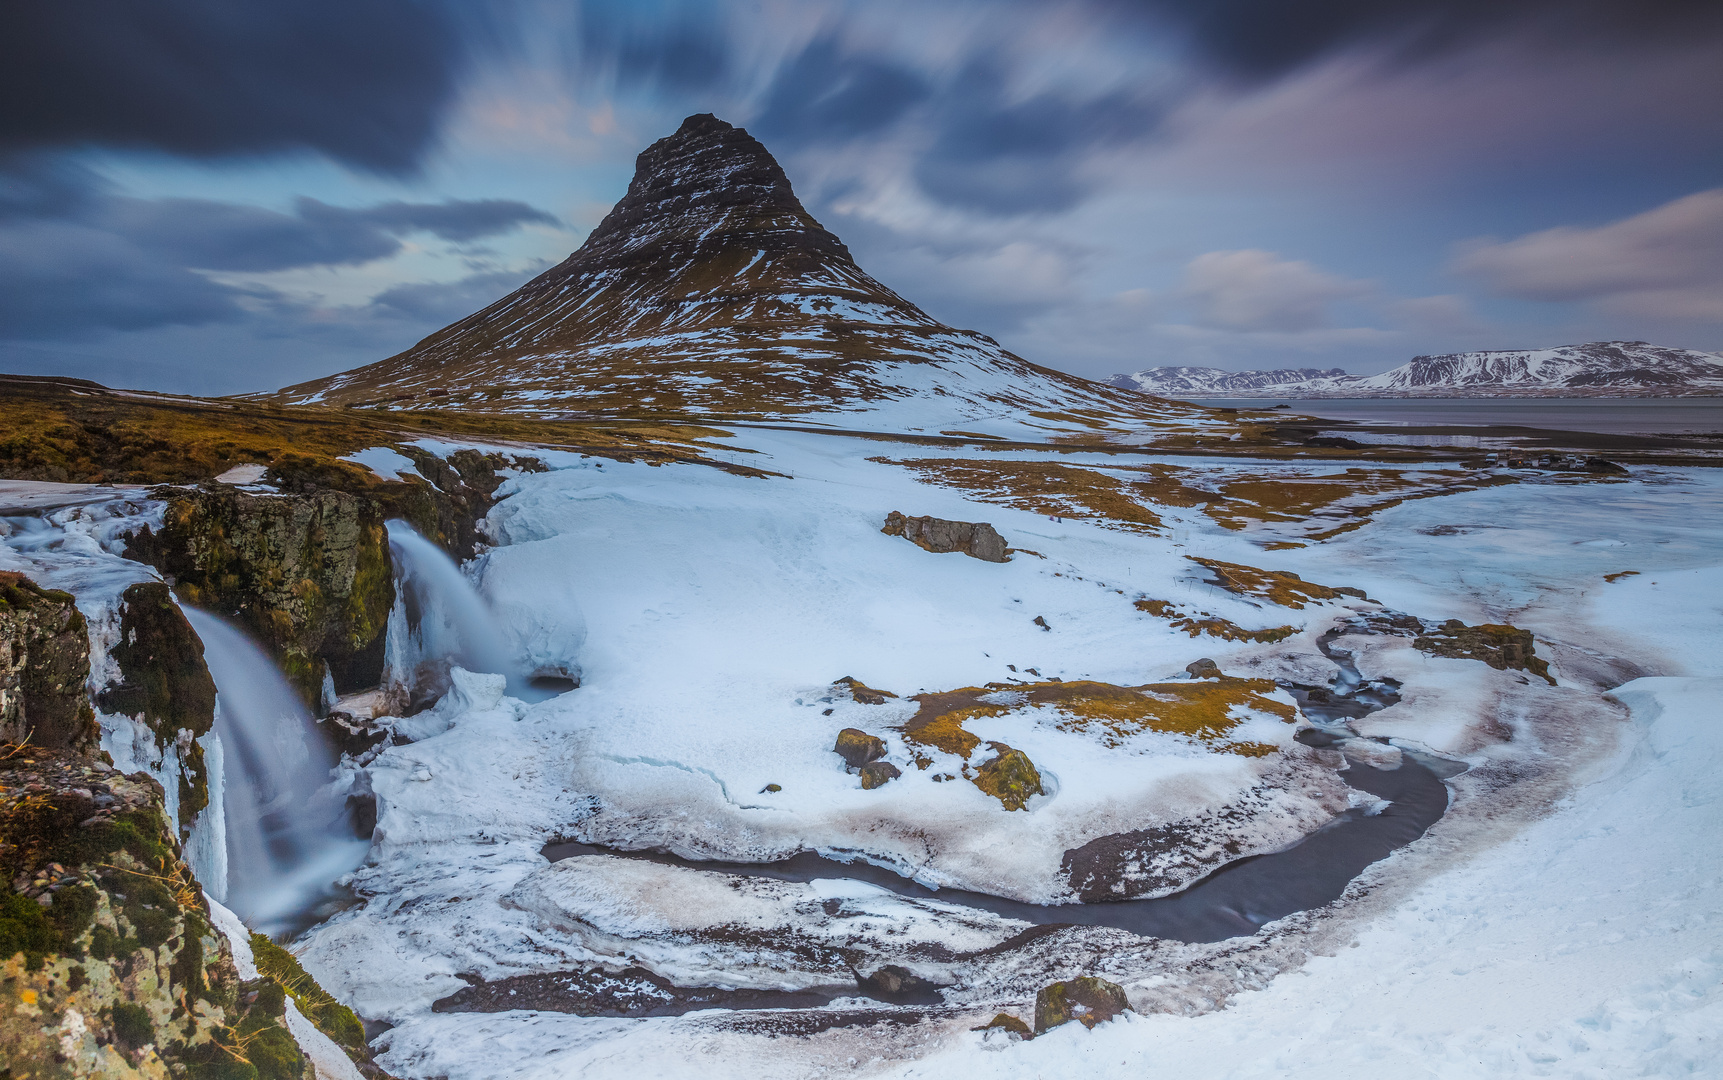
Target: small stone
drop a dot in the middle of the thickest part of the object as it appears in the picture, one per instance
(1086, 999)
(1203, 669)
(857, 747)
(1007, 1023)
(1042, 623)
(877, 773)
(772, 789)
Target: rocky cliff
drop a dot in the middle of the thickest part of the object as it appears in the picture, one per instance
(111, 961)
(307, 575)
(44, 661)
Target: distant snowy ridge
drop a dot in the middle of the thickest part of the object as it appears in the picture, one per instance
(1596, 369)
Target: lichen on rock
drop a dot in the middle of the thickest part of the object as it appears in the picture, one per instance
(1009, 777)
(1498, 645)
(878, 773)
(1085, 999)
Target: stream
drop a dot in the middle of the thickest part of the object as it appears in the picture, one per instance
(1236, 899)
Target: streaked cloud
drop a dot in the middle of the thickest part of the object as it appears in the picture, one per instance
(1666, 262)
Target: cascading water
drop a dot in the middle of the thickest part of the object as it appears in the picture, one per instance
(288, 830)
(447, 621)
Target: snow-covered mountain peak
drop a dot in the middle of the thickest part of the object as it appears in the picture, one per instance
(710, 291)
(1595, 369)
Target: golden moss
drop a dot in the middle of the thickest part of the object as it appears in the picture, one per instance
(1052, 489)
(1276, 586)
(1212, 625)
(71, 432)
(1202, 710)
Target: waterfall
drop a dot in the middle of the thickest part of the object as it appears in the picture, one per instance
(288, 831)
(445, 619)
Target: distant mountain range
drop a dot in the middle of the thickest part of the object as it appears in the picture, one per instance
(1596, 369)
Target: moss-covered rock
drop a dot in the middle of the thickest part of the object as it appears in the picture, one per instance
(308, 575)
(164, 684)
(857, 747)
(1086, 999)
(44, 663)
(1498, 645)
(1010, 777)
(1007, 1023)
(879, 773)
(318, 1005)
(109, 964)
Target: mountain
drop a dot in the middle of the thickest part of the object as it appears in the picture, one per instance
(709, 291)
(1207, 381)
(1596, 369)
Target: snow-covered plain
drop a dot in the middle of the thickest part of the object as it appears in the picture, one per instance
(1562, 918)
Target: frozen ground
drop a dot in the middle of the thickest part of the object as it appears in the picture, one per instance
(710, 614)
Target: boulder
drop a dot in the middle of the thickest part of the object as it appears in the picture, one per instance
(1085, 999)
(1203, 669)
(977, 539)
(877, 773)
(1010, 777)
(857, 747)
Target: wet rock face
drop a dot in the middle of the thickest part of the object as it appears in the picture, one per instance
(1500, 646)
(857, 747)
(461, 492)
(308, 575)
(164, 684)
(44, 662)
(1086, 999)
(977, 539)
(1010, 777)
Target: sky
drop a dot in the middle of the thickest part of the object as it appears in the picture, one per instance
(208, 197)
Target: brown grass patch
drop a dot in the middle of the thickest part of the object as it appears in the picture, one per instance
(1212, 625)
(1276, 586)
(1200, 710)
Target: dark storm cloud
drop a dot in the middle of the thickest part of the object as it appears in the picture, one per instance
(67, 281)
(89, 262)
(363, 81)
(1008, 156)
(824, 94)
(212, 235)
(1267, 38)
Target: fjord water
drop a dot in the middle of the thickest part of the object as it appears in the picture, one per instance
(1602, 416)
(288, 832)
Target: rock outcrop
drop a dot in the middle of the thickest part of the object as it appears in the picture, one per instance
(977, 539)
(1498, 645)
(308, 575)
(111, 962)
(1086, 999)
(165, 685)
(44, 662)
